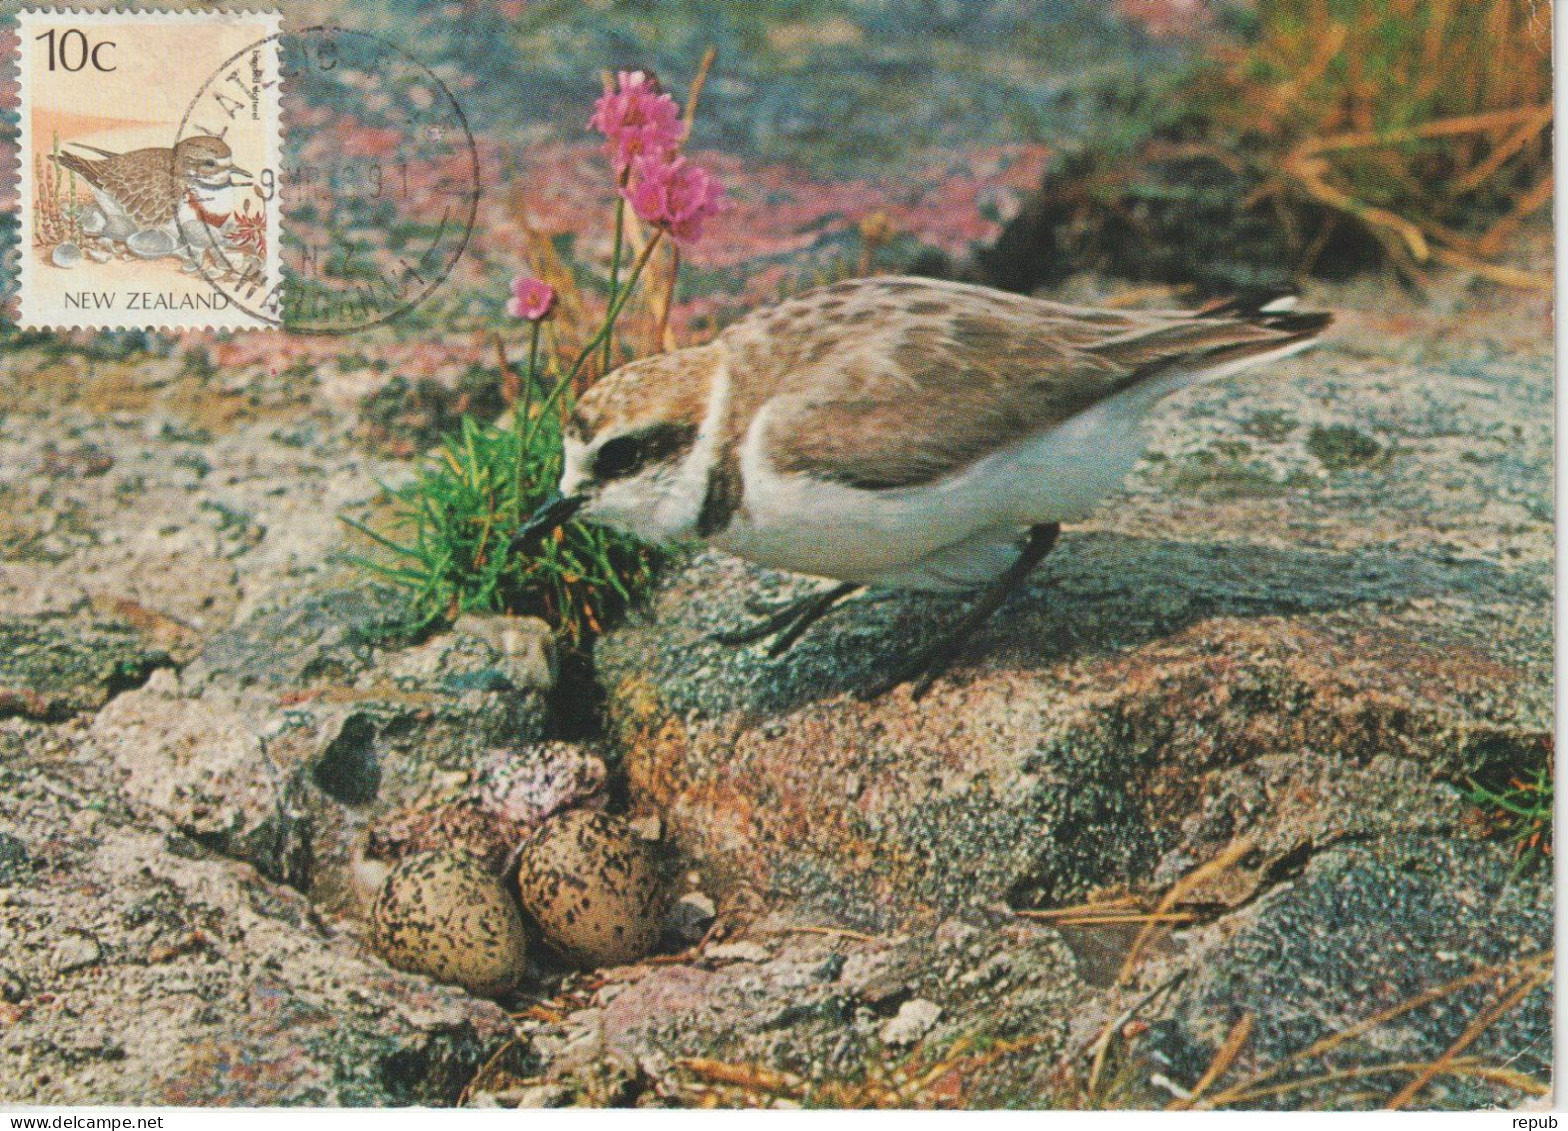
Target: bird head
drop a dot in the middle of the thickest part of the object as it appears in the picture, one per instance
(637, 452)
(206, 161)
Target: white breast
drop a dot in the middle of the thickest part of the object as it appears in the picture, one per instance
(954, 533)
(960, 531)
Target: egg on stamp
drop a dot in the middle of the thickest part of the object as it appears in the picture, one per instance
(443, 915)
(592, 887)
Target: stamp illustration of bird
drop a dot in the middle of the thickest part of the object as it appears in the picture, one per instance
(159, 187)
(895, 433)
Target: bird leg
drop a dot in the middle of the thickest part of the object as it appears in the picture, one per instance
(928, 663)
(791, 621)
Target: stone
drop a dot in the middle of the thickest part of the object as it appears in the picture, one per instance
(50, 669)
(737, 952)
(526, 643)
(913, 1021)
(689, 917)
(76, 951)
(288, 775)
(211, 985)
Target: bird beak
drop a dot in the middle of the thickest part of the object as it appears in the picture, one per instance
(236, 171)
(552, 513)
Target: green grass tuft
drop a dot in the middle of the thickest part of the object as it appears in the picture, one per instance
(1517, 804)
(449, 538)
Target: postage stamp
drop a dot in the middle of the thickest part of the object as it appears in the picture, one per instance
(147, 145)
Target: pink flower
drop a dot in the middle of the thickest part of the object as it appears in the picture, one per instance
(639, 120)
(674, 195)
(533, 299)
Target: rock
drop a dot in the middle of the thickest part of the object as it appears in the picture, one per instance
(205, 765)
(737, 952)
(913, 1021)
(526, 643)
(75, 951)
(592, 887)
(283, 758)
(1365, 928)
(205, 970)
(50, 669)
(781, 1015)
(525, 787)
(1033, 786)
(444, 915)
(689, 918)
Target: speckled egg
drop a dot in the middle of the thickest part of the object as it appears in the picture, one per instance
(592, 887)
(443, 915)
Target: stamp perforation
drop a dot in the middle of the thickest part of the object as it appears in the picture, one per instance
(28, 307)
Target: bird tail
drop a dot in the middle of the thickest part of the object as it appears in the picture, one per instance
(1214, 341)
(70, 161)
(1270, 309)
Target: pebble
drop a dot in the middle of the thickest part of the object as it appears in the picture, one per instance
(76, 951)
(526, 643)
(738, 952)
(690, 917)
(914, 1020)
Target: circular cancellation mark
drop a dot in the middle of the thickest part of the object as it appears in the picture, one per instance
(378, 192)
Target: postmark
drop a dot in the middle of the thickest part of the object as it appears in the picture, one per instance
(140, 177)
(378, 187)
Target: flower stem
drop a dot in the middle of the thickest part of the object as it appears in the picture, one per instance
(615, 261)
(669, 298)
(604, 331)
(520, 412)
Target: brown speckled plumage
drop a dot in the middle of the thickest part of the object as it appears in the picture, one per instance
(147, 183)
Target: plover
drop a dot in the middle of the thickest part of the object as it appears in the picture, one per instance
(900, 433)
(160, 188)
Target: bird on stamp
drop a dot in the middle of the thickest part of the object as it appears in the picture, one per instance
(896, 433)
(161, 189)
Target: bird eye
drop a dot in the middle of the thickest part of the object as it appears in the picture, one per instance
(618, 458)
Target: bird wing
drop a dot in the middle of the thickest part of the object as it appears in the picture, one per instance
(893, 382)
(142, 181)
(83, 167)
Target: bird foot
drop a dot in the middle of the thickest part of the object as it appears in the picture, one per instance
(923, 669)
(789, 622)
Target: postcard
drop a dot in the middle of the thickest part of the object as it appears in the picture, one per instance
(849, 555)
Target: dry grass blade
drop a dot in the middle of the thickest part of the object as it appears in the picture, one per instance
(1174, 917)
(1235, 1041)
(697, 84)
(1461, 1067)
(1204, 872)
(1516, 993)
(1327, 1044)
(1120, 904)
(837, 932)
(1493, 272)
(747, 1077)
(1443, 127)
(1500, 156)
(1537, 197)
